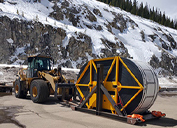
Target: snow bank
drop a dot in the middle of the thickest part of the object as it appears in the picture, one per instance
(25, 66)
(18, 66)
(166, 82)
(1, 73)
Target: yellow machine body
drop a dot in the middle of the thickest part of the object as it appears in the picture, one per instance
(40, 73)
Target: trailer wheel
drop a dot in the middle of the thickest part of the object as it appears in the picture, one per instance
(39, 91)
(19, 92)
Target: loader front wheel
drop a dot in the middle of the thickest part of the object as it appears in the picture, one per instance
(19, 92)
(39, 91)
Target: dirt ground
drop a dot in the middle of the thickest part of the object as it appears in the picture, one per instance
(24, 113)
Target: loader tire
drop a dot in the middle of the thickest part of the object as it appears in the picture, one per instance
(39, 91)
(19, 92)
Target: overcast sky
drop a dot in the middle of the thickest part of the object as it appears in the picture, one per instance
(169, 6)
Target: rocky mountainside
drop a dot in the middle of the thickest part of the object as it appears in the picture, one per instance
(75, 31)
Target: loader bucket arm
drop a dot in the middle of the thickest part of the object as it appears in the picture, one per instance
(49, 78)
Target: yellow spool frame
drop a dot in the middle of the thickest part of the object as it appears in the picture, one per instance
(107, 84)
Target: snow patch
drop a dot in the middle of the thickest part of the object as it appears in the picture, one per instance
(1, 73)
(10, 41)
(166, 82)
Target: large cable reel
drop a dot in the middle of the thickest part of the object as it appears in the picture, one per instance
(133, 85)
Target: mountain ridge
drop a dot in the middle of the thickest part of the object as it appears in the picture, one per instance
(75, 31)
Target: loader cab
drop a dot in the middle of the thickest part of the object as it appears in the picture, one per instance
(38, 63)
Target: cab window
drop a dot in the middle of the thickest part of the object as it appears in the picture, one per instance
(43, 64)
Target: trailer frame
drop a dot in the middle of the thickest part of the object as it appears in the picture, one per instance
(99, 89)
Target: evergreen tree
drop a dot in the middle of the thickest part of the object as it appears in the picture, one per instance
(146, 12)
(113, 2)
(163, 19)
(117, 3)
(23, 14)
(142, 13)
(123, 5)
(153, 15)
(17, 12)
(167, 22)
(171, 24)
(176, 25)
(128, 5)
(160, 17)
(157, 15)
(134, 9)
(110, 3)
(140, 10)
(150, 14)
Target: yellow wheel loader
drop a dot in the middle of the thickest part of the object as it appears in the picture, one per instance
(40, 81)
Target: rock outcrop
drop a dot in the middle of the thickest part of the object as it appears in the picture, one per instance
(20, 38)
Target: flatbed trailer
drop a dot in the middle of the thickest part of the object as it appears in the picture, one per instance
(5, 88)
(100, 92)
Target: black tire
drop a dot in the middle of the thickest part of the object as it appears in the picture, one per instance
(19, 92)
(39, 91)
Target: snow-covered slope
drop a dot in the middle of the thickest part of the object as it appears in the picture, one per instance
(27, 10)
(108, 30)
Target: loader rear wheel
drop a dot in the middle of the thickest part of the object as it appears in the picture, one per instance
(39, 91)
(19, 92)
